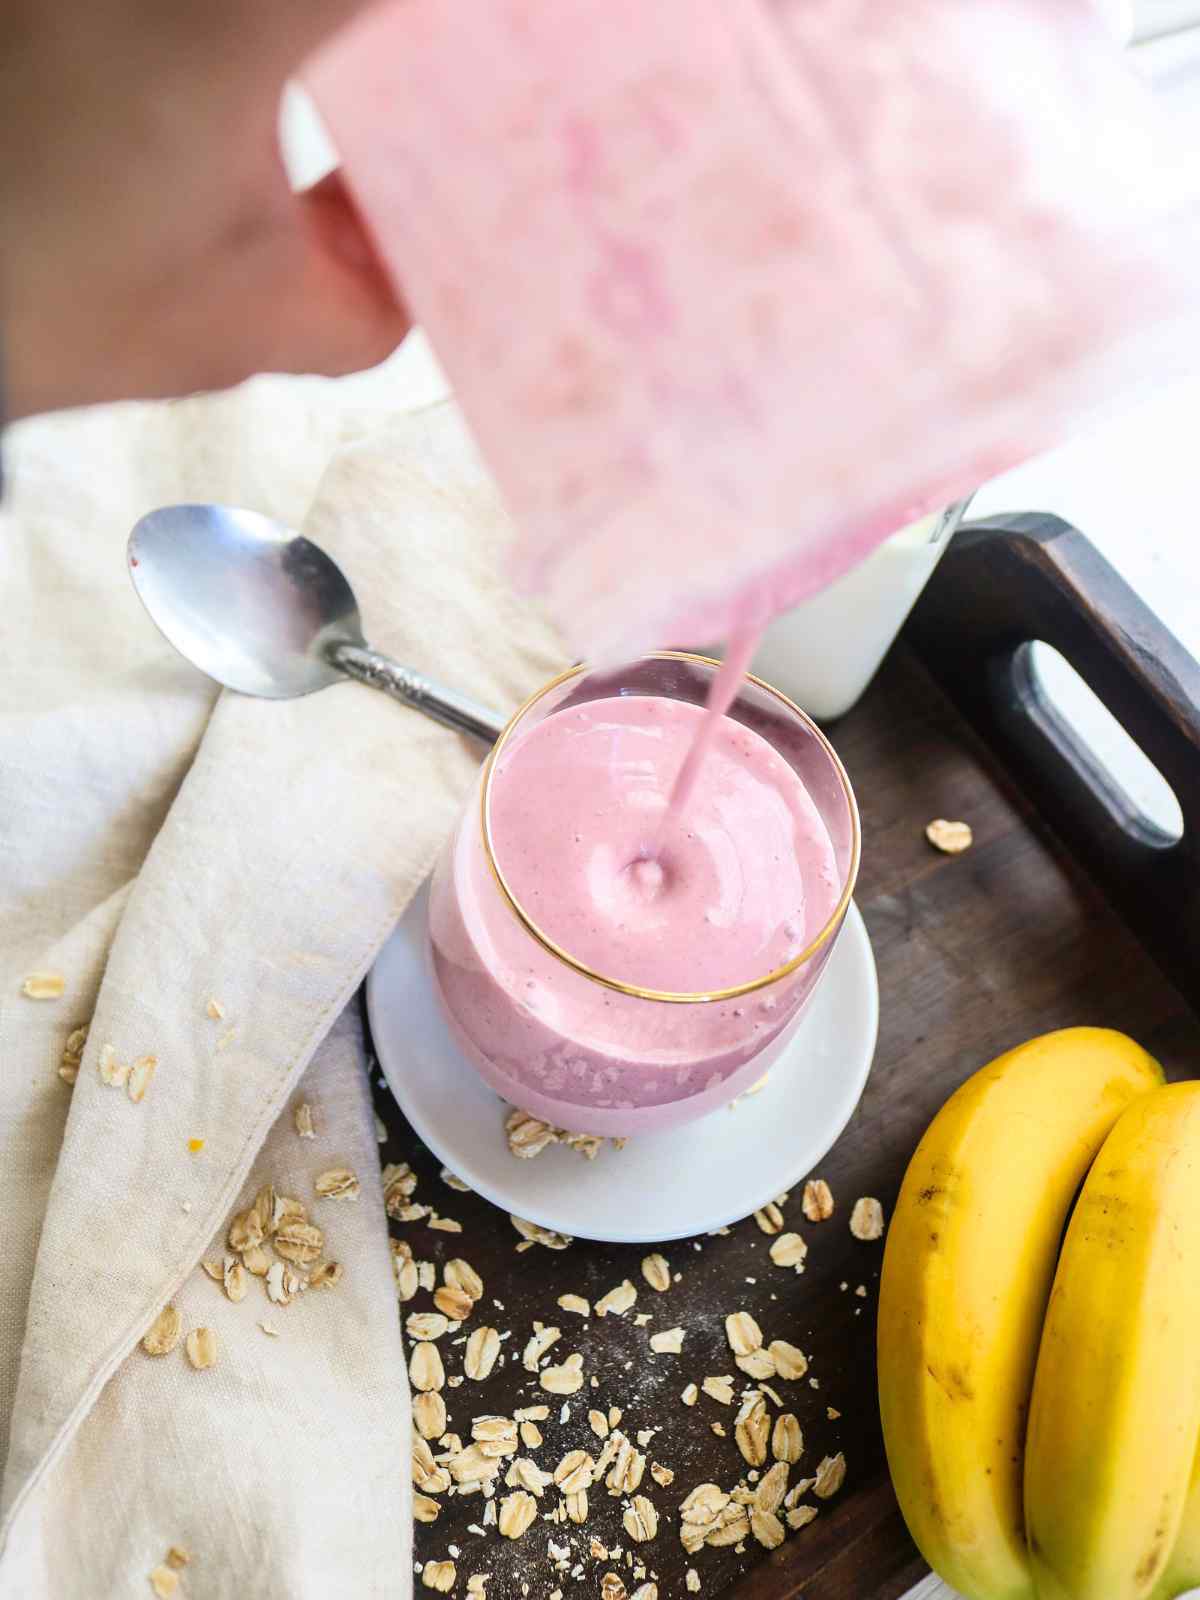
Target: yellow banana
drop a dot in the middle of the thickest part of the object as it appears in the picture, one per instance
(967, 1271)
(1183, 1569)
(1115, 1413)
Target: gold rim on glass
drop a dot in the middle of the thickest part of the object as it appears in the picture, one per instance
(553, 948)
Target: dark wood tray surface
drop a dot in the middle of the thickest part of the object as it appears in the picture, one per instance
(975, 953)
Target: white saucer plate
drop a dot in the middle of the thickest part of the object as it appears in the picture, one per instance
(664, 1185)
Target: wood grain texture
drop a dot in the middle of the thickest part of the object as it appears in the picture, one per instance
(975, 953)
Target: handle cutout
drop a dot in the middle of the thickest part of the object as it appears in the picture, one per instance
(1131, 787)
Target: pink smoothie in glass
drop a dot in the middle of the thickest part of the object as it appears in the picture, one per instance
(717, 895)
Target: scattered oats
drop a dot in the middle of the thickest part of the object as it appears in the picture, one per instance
(648, 1591)
(398, 1179)
(576, 1303)
(439, 1575)
(718, 1428)
(284, 1210)
(532, 1413)
(598, 1423)
(538, 1345)
(425, 1367)
(425, 1325)
(720, 1389)
(643, 1319)
(614, 1416)
(140, 1075)
(495, 1436)
(769, 1218)
(534, 1234)
(690, 1395)
(163, 1334)
(801, 1516)
(703, 1506)
(832, 1413)
(692, 1579)
(426, 1274)
(667, 1343)
(337, 1183)
(327, 1276)
(866, 1220)
(752, 1429)
(528, 1135)
(214, 1269)
(564, 1379)
(861, 1292)
(531, 1435)
(951, 838)
(517, 1512)
(597, 1551)
(789, 1250)
(404, 1269)
(474, 1466)
(731, 1526)
(640, 1519)
(429, 1414)
(461, 1275)
(817, 1203)
(44, 985)
(201, 1345)
(483, 1348)
(766, 1528)
(215, 1011)
(450, 1179)
(112, 1072)
(743, 1333)
(790, 1363)
(618, 1300)
(453, 1302)
(612, 1587)
(425, 1509)
(163, 1581)
(245, 1231)
(269, 1329)
(663, 1476)
(584, 1144)
(772, 1394)
(455, 1382)
(68, 1071)
(787, 1442)
(574, 1471)
(759, 1364)
(177, 1556)
(657, 1272)
(526, 1474)
(445, 1225)
(831, 1474)
(645, 1435)
(627, 1468)
(301, 1242)
(234, 1279)
(476, 1584)
(768, 1496)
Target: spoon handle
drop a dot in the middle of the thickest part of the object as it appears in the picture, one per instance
(443, 705)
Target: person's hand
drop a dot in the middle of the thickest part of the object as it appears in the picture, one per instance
(149, 242)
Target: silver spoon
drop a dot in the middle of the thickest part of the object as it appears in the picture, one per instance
(267, 612)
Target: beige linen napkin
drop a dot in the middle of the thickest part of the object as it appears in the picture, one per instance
(162, 848)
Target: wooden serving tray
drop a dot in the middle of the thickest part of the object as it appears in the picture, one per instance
(1068, 909)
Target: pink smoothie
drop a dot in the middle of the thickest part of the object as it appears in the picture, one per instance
(716, 895)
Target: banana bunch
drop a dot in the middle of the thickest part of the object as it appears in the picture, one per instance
(1041, 1405)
